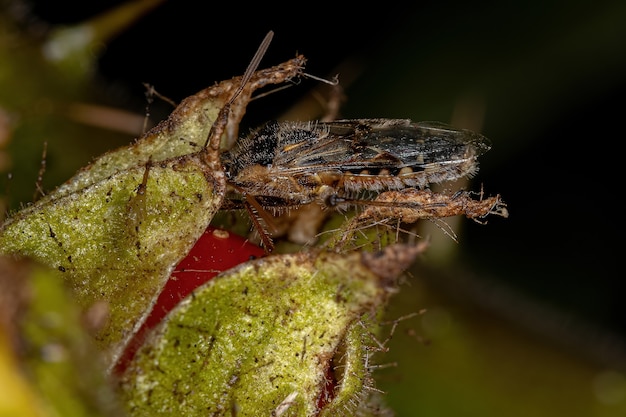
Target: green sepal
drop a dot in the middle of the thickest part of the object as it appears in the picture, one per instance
(283, 335)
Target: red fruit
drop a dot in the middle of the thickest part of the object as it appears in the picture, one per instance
(216, 251)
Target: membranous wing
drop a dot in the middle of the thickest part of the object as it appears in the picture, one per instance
(352, 156)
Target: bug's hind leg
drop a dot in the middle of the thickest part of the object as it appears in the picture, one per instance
(258, 213)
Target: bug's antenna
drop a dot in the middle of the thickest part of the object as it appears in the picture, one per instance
(253, 65)
(213, 139)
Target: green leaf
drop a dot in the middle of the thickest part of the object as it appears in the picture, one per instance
(282, 335)
(117, 229)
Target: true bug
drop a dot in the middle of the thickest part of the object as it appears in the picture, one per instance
(344, 162)
(292, 163)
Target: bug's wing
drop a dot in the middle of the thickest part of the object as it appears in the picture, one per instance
(373, 144)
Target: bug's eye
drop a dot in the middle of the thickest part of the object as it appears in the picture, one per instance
(333, 200)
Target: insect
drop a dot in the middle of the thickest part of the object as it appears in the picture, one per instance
(290, 164)
(293, 163)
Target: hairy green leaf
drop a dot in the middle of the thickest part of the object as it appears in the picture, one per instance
(282, 335)
(119, 226)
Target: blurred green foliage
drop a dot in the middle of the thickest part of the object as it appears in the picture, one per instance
(44, 76)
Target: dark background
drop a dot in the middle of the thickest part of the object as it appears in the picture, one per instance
(545, 81)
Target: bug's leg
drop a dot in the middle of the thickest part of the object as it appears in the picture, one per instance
(322, 103)
(334, 101)
(256, 213)
(137, 209)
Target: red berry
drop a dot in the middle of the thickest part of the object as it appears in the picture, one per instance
(216, 251)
